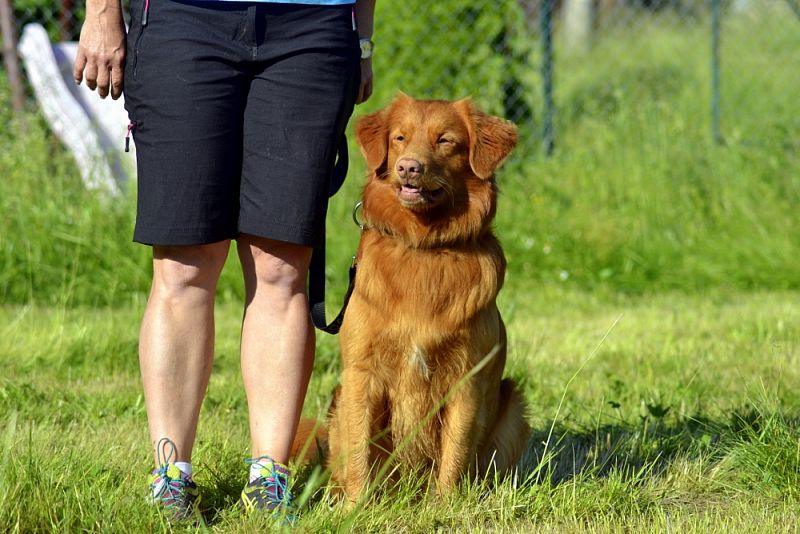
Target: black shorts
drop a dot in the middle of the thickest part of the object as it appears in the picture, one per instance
(238, 109)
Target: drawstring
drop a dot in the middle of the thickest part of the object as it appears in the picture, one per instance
(131, 127)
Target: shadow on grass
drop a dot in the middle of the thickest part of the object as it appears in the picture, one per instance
(220, 496)
(748, 439)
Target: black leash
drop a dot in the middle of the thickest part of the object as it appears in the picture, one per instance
(316, 271)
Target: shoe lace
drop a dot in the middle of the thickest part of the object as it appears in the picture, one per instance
(165, 487)
(276, 482)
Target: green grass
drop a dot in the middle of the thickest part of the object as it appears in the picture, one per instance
(667, 409)
(652, 302)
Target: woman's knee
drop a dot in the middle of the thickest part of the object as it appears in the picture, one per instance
(275, 264)
(180, 268)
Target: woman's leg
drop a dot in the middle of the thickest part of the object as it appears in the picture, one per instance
(176, 343)
(277, 351)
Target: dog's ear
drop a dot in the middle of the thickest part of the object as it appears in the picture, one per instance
(491, 139)
(401, 98)
(372, 136)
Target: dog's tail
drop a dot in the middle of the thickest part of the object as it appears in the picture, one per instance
(310, 442)
(311, 439)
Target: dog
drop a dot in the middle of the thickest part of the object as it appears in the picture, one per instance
(423, 345)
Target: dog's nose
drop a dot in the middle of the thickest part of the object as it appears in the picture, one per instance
(409, 168)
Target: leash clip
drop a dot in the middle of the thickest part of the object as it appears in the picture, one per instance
(359, 206)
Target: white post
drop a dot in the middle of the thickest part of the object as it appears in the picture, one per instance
(578, 22)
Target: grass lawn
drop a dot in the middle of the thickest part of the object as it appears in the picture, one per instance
(667, 412)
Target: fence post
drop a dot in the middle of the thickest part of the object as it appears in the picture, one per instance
(578, 18)
(715, 71)
(66, 22)
(546, 30)
(10, 57)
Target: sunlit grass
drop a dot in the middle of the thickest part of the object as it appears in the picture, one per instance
(677, 409)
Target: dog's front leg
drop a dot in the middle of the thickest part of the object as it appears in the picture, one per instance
(357, 413)
(459, 435)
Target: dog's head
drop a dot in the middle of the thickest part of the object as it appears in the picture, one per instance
(432, 162)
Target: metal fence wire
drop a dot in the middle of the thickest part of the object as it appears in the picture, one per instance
(545, 63)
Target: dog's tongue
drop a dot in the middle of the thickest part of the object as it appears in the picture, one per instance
(409, 192)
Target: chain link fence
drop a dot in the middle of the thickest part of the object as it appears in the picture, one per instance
(548, 63)
(62, 18)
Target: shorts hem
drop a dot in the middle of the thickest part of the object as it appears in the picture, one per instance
(282, 232)
(173, 237)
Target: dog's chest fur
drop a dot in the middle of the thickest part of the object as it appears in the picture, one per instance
(428, 291)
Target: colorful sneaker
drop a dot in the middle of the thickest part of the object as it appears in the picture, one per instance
(172, 488)
(270, 491)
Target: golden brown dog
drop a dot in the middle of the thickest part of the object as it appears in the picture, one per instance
(423, 314)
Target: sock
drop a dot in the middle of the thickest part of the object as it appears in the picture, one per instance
(266, 463)
(255, 470)
(185, 467)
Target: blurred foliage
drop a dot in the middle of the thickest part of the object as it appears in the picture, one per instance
(453, 49)
(61, 19)
(636, 198)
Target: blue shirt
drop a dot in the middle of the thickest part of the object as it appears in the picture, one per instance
(310, 2)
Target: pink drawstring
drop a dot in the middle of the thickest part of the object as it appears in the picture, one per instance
(131, 127)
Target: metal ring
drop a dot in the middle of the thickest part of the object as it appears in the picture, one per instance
(359, 205)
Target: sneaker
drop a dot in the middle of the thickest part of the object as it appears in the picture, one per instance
(270, 491)
(172, 488)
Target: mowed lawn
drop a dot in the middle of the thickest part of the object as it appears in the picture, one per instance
(662, 413)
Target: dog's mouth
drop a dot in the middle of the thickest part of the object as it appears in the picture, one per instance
(413, 195)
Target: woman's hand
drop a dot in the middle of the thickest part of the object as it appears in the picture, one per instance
(365, 89)
(101, 51)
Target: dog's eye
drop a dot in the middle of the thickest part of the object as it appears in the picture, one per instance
(399, 138)
(445, 141)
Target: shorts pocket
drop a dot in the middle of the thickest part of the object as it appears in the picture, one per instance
(142, 26)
